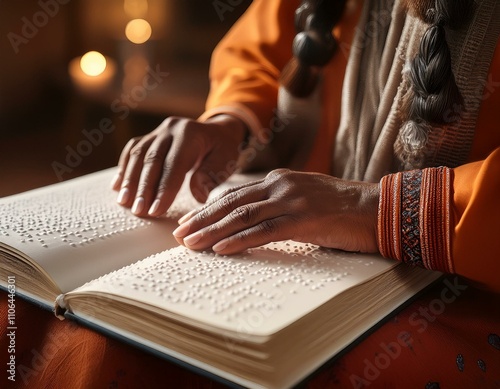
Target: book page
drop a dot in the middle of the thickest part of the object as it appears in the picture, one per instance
(75, 231)
(256, 293)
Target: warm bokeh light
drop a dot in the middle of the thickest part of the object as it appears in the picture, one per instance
(136, 8)
(93, 63)
(138, 31)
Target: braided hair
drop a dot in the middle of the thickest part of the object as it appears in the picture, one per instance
(433, 91)
(313, 46)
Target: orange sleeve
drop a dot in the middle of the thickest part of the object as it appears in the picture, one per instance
(247, 62)
(476, 208)
(476, 193)
(445, 219)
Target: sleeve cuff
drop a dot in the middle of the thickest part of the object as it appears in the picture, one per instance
(414, 218)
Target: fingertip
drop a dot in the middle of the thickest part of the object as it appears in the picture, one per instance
(180, 241)
(115, 182)
(181, 231)
(123, 196)
(153, 210)
(192, 239)
(138, 206)
(220, 246)
(186, 217)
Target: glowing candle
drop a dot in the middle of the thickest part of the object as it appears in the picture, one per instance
(138, 31)
(93, 63)
(92, 71)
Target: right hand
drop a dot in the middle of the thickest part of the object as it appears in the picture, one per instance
(152, 168)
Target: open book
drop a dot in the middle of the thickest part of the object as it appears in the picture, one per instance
(265, 318)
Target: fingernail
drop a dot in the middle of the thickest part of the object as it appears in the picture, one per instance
(123, 196)
(186, 217)
(115, 180)
(181, 231)
(193, 238)
(138, 205)
(220, 245)
(154, 207)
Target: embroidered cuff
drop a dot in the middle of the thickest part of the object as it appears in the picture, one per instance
(414, 223)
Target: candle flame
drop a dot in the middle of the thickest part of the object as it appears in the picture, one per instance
(93, 63)
(138, 31)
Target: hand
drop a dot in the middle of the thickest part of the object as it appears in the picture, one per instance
(152, 168)
(305, 207)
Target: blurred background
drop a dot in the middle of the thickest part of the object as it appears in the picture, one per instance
(78, 78)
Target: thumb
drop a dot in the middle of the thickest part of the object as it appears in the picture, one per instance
(213, 171)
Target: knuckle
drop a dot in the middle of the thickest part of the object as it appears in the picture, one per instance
(132, 142)
(202, 216)
(268, 227)
(153, 157)
(126, 183)
(282, 179)
(138, 150)
(227, 202)
(277, 174)
(212, 230)
(166, 175)
(169, 122)
(162, 187)
(175, 125)
(224, 193)
(167, 169)
(142, 188)
(244, 214)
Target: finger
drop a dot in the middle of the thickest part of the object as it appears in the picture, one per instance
(116, 182)
(269, 230)
(222, 206)
(151, 173)
(214, 170)
(188, 216)
(181, 158)
(133, 171)
(242, 218)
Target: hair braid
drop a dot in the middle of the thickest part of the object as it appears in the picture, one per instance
(433, 92)
(313, 45)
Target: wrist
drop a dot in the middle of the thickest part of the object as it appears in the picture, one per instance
(369, 204)
(237, 127)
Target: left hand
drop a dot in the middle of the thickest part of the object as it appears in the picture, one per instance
(304, 207)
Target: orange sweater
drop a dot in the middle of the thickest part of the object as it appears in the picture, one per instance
(244, 73)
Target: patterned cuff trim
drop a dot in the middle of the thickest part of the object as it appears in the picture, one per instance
(414, 223)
